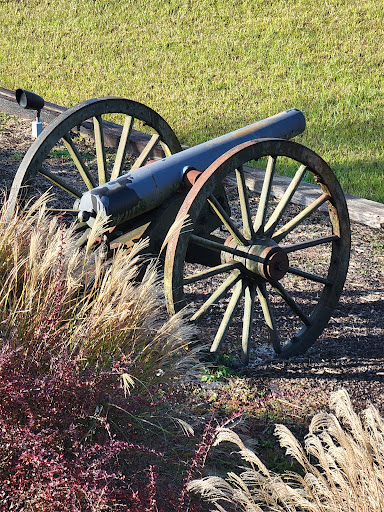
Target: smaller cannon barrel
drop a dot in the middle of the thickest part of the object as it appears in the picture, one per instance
(144, 189)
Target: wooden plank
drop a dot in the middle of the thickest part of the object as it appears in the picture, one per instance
(362, 211)
(365, 211)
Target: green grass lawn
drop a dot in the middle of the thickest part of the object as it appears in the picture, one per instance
(211, 66)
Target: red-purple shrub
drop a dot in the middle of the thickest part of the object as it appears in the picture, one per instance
(57, 450)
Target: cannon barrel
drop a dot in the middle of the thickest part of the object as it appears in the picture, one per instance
(144, 189)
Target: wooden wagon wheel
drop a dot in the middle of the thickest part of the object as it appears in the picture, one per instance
(276, 267)
(68, 164)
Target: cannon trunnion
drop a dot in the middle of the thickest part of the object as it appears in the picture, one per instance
(253, 268)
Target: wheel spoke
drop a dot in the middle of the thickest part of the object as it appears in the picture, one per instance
(249, 306)
(78, 161)
(293, 223)
(292, 304)
(123, 147)
(217, 295)
(310, 243)
(205, 274)
(63, 210)
(228, 316)
(210, 244)
(167, 151)
(226, 220)
(146, 152)
(307, 275)
(264, 196)
(244, 204)
(61, 183)
(100, 149)
(284, 201)
(269, 317)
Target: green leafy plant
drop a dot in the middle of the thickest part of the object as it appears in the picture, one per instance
(16, 156)
(215, 374)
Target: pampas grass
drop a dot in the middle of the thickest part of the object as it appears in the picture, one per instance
(56, 297)
(342, 461)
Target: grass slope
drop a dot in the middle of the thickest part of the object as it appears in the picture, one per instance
(212, 66)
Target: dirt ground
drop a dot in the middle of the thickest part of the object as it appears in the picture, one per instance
(350, 352)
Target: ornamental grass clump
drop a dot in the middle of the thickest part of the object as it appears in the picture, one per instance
(77, 332)
(56, 297)
(342, 462)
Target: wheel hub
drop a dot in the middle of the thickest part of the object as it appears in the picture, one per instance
(269, 261)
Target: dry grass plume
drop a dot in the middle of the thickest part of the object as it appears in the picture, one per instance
(55, 297)
(342, 461)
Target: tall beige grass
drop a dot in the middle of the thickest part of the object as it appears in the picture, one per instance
(342, 461)
(55, 297)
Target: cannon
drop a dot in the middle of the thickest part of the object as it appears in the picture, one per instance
(252, 267)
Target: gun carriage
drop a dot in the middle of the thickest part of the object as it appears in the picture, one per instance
(269, 269)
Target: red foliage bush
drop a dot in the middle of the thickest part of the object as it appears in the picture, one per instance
(58, 452)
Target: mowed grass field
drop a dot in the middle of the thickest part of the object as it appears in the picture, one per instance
(209, 67)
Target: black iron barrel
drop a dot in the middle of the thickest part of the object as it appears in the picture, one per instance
(144, 189)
